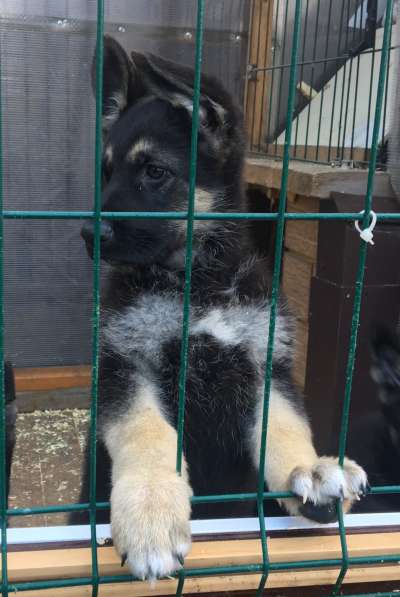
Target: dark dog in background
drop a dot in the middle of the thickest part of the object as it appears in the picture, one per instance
(147, 128)
(374, 439)
(11, 417)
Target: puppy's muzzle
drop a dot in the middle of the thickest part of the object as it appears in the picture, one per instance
(106, 235)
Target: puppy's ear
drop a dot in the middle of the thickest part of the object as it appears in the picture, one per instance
(117, 81)
(385, 369)
(220, 120)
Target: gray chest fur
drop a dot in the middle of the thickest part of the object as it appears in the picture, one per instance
(153, 320)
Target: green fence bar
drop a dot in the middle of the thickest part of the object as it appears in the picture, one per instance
(281, 71)
(345, 552)
(189, 232)
(199, 499)
(361, 273)
(189, 247)
(181, 583)
(96, 291)
(182, 215)
(275, 289)
(366, 218)
(387, 594)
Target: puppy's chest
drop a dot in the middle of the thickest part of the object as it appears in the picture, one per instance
(146, 328)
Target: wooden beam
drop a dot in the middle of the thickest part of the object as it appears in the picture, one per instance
(257, 95)
(228, 584)
(69, 563)
(314, 180)
(52, 378)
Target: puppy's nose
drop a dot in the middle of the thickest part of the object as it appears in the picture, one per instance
(106, 232)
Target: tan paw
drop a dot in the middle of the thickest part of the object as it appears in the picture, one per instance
(319, 487)
(150, 523)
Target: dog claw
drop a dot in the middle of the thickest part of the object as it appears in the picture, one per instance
(305, 496)
(365, 489)
(123, 559)
(180, 559)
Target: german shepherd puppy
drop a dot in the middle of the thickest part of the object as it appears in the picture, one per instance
(379, 450)
(147, 130)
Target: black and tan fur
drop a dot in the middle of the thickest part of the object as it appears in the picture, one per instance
(374, 437)
(147, 124)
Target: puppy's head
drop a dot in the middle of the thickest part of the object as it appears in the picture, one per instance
(147, 122)
(385, 371)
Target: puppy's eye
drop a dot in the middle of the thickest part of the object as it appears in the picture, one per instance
(155, 172)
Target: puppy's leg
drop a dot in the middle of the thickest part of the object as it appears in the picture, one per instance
(292, 464)
(150, 502)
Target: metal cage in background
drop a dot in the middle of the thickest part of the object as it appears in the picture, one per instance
(336, 81)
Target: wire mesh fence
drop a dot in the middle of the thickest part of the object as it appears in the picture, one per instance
(291, 133)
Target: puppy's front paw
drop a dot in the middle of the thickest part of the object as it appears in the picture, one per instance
(322, 484)
(150, 523)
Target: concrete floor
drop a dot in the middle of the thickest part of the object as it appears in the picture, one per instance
(47, 463)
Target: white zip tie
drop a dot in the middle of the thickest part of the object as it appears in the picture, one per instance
(366, 234)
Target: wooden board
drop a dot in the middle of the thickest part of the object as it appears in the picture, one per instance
(258, 87)
(69, 563)
(52, 378)
(314, 180)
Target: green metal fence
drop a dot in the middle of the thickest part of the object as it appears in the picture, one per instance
(259, 496)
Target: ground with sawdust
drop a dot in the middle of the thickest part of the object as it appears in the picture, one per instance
(47, 463)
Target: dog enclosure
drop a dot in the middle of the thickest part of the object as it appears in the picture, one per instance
(268, 559)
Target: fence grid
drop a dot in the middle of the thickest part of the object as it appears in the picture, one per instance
(259, 496)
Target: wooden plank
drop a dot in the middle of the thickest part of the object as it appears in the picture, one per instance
(296, 281)
(250, 90)
(67, 563)
(260, 52)
(314, 180)
(302, 204)
(301, 237)
(226, 584)
(52, 378)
